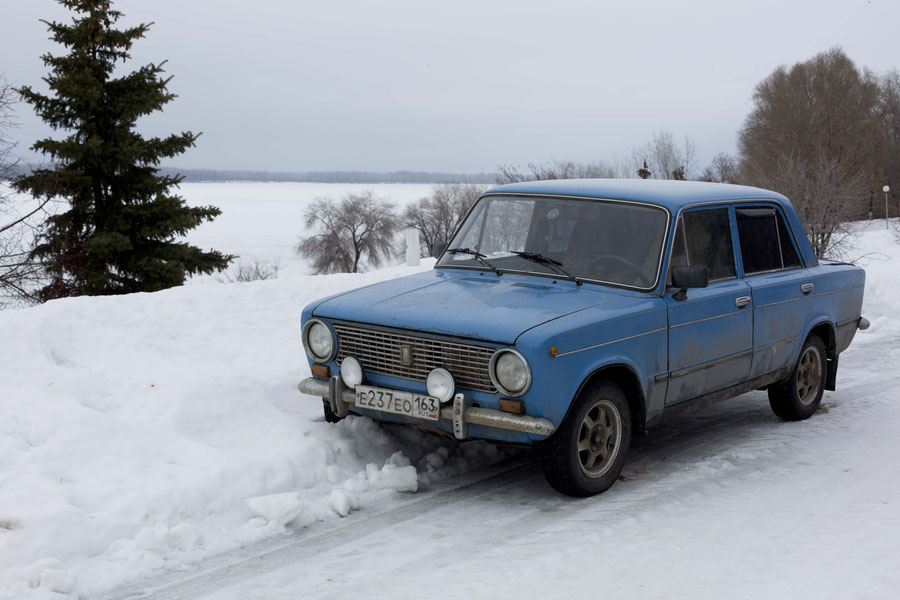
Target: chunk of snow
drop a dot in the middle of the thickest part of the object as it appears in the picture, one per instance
(392, 477)
(340, 502)
(277, 508)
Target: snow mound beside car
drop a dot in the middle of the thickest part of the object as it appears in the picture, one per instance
(151, 430)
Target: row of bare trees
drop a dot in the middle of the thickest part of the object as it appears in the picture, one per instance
(660, 157)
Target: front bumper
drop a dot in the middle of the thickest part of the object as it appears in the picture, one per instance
(460, 412)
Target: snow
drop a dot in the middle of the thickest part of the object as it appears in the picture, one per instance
(146, 435)
(275, 214)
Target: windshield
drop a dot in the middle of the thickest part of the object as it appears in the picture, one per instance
(596, 240)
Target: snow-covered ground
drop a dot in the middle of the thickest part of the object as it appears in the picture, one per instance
(156, 443)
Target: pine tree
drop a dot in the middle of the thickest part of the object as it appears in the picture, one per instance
(120, 231)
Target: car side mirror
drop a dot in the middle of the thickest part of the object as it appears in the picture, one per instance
(438, 247)
(689, 277)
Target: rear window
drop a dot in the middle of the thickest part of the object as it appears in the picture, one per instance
(765, 241)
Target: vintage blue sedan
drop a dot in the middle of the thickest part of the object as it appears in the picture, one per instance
(571, 314)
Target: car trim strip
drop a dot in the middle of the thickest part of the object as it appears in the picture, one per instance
(805, 296)
(786, 340)
(736, 312)
(710, 363)
(848, 322)
(630, 337)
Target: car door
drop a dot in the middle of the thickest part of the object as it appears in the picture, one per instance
(781, 287)
(711, 331)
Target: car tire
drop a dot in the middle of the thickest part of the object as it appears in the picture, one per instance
(587, 452)
(797, 397)
(330, 417)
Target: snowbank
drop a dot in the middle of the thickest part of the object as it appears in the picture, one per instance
(151, 430)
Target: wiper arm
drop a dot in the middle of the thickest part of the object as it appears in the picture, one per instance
(546, 260)
(478, 256)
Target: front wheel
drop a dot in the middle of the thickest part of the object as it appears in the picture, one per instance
(798, 397)
(586, 454)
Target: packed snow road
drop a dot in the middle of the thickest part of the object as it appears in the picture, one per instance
(155, 446)
(730, 502)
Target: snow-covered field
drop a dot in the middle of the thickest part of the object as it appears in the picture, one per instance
(156, 443)
(264, 221)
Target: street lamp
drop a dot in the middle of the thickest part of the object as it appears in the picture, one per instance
(886, 189)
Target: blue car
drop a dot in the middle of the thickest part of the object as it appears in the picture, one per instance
(571, 314)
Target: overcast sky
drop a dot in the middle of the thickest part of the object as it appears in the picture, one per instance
(459, 85)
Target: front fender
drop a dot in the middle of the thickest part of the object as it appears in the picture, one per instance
(586, 342)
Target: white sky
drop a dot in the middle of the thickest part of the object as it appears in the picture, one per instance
(461, 85)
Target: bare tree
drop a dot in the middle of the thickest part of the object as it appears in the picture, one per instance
(250, 270)
(889, 108)
(437, 216)
(20, 275)
(821, 189)
(357, 230)
(556, 169)
(507, 173)
(825, 112)
(724, 168)
(665, 157)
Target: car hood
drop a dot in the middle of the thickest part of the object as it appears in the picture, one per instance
(466, 303)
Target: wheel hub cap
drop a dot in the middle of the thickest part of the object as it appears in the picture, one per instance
(599, 438)
(809, 376)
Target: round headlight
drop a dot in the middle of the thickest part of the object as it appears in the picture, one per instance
(351, 372)
(509, 371)
(440, 384)
(318, 340)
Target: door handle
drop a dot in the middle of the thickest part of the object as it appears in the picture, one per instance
(807, 288)
(742, 301)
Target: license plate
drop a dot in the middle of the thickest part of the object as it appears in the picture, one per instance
(399, 403)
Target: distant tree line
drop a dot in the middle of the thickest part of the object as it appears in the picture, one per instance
(206, 175)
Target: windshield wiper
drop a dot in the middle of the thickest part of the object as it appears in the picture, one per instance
(546, 260)
(478, 255)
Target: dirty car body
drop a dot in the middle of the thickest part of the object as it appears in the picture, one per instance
(660, 297)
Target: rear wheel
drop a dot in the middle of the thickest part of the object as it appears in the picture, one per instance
(586, 454)
(798, 397)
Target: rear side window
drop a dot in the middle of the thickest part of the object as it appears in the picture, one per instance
(765, 242)
(703, 237)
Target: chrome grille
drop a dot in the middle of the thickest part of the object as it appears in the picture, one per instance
(379, 352)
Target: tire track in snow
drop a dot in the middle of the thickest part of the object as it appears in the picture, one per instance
(676, 457)
(247, 562)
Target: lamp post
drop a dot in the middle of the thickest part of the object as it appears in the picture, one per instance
(886, 189)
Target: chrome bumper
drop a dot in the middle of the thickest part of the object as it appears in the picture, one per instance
(459, 412)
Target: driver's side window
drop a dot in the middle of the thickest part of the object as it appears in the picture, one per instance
(703, 237)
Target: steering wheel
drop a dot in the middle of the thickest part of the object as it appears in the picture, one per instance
(632, 268)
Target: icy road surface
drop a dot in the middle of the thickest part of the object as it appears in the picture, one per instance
(728, 504)
(155, 446)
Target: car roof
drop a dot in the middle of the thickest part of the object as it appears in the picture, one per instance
(673, 195)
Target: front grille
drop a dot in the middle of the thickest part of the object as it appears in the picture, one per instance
(379, 352)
